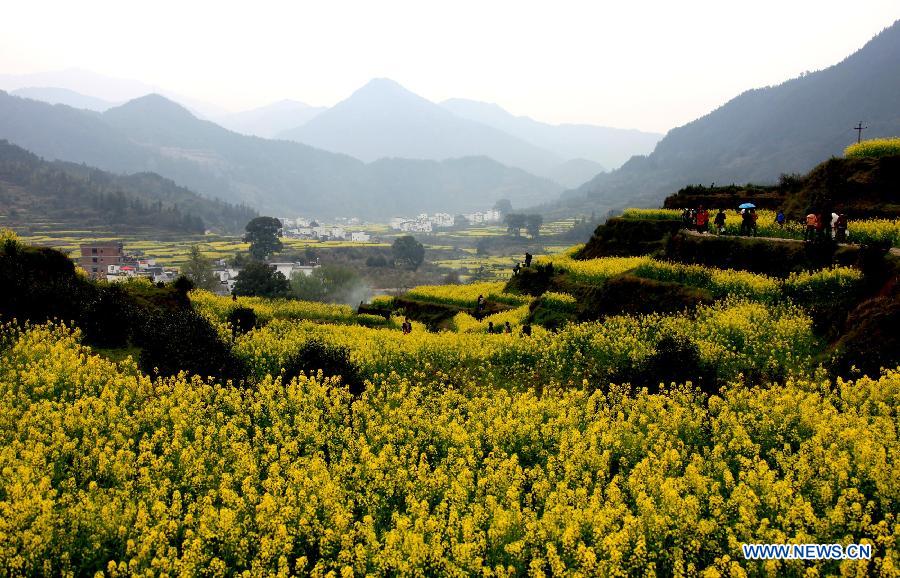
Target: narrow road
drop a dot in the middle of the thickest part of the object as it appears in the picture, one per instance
(894, 250)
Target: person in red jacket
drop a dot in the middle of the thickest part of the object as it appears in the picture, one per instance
(702, 220)
(812, 226)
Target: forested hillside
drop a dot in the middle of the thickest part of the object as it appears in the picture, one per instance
(765, 132)
(35, 192)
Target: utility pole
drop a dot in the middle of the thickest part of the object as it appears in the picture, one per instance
(859, 128)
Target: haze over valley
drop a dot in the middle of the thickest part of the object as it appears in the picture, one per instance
(385, 149)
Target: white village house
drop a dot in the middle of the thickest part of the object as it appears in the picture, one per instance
(289, 269)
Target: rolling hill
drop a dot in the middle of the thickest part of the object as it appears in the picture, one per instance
(762, 133)
(609, 147)
(154, 134)
(35, 193)
(100, 86)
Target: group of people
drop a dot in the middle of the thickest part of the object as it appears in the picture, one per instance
(822, 226)
(819, 225)
(699, 220)
(518, 266)
(505, 328)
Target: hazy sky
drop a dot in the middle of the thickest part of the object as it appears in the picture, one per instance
(644, 64)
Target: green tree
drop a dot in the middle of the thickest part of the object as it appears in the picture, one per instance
(533, 224)
(261, 280)
(504, 206)
(199, 269)
(263, 235)
(408, 252)
(515, 222)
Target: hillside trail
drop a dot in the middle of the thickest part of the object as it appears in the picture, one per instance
(894, 250)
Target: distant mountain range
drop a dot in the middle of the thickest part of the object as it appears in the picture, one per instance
(155, 134)
(383, 120)
(380, 120)
(269, 121)
(763, 133)
(56, 95)
(35, 193)
(609, 147)
(98, 86)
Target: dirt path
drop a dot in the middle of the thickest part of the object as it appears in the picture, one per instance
(894, 250)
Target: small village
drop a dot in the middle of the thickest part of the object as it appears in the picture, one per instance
(110, 262)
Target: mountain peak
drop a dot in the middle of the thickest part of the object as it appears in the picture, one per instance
(153, 105)
(382, 83)
(382, 88)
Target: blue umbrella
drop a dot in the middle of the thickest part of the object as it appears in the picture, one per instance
(747, 206)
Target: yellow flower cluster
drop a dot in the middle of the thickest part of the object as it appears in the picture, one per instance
(8, 235)
(592, 270)
(878, 230)
(825, 285)
(385, 301)
(107, 472)
(652, 214)
(733, 337)
(558, 301)
(875, 147)
(858, 230)
(465, 295)
(463, 322)
(217, 308)
(720, 282)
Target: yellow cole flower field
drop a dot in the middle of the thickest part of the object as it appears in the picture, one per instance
(733, 338)
(858, 230)
(108, 472)
(465, 295)
(217, 308)
(825, 283)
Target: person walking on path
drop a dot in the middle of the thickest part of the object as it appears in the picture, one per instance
(490, 328)
(479, 306)
(779, 219)
(753, 218)
(745, 222)
(812, 226)
(840, 234)
(528, 257)
(507, 328)
(702, 220)
(823, 226)
(719, 221)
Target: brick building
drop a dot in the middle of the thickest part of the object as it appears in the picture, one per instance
(97, 257)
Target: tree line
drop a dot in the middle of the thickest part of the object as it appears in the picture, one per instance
(61, 192)
(515, 222)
